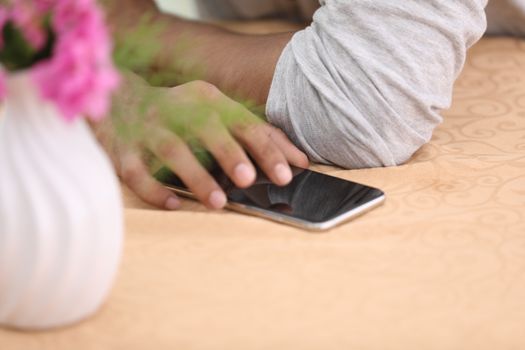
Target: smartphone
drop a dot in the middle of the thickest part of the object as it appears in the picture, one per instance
(312, 201)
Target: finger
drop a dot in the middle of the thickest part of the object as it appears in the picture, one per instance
(136, 176)
(254, 135)
(177, 156)
(294, 156)
(256, 139)
(228, 153)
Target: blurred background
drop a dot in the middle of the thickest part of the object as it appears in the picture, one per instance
(185, 8)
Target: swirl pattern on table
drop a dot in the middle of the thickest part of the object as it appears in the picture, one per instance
(440, 266)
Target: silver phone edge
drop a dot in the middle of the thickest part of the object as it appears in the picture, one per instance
(298, 223)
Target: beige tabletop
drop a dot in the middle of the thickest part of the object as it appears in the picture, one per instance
(440, 266)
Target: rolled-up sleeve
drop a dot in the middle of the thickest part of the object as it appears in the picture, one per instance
(364, 85)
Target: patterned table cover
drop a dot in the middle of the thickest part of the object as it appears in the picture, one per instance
(440, 266)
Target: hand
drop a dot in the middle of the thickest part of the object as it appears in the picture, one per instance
(199, 114)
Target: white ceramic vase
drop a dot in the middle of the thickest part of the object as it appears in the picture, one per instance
(61, 217)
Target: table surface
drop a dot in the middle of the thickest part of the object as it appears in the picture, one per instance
(440, 266)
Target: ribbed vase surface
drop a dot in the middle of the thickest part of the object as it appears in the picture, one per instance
(61, 219)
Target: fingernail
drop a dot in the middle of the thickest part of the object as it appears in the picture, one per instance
(217, 199)
(283, 173)
(244, 174)
(173, 203)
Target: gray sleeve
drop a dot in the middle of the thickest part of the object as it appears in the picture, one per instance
(364, 85)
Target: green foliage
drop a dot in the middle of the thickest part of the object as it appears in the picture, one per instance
(136, 51)
(139, 49)
(140, 105)
(17, 53)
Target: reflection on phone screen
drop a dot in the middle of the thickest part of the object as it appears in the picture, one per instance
(311, 196)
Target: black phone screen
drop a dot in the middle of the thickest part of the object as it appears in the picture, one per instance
(311, 196)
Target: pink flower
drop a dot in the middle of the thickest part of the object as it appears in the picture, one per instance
(28, 18)
(80, 76)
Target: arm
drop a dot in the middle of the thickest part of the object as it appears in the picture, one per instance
(364, 86)
(243, 65)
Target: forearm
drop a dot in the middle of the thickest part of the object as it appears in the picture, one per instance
(123, 16)
(242, 65)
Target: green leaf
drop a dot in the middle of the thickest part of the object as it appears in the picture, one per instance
(17, 53)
